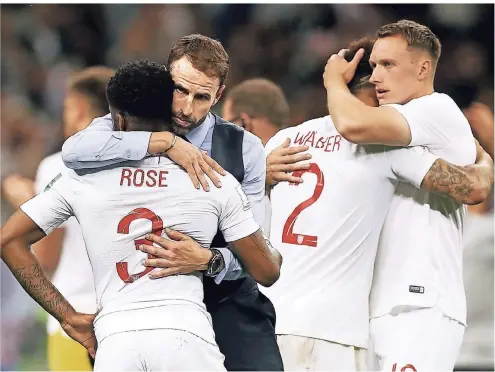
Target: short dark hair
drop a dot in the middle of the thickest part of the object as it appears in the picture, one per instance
(416, 35)
(363, 71)
(260, 97)
(206, 54)
(143, 90)
(92, 83)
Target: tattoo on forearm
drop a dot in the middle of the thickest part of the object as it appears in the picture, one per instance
(34, 281)
(449, 179)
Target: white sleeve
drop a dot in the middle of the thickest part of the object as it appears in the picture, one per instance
(236, 218)
(427, 128)
(48, 209)
(411, 164)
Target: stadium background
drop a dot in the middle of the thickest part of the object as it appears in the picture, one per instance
(287, 43)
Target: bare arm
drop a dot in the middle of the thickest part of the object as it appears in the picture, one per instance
(19, 232)
(363, 124)
(355, 121)
(49, 249)
(15, 236)
(259, 258)
(468, 185)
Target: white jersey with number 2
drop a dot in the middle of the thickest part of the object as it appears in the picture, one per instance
(116, 208)
(327, 230)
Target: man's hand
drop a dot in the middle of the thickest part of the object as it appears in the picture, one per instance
(338, 68)
(79, 327)
(181, 255)
(17, 190)
(285, 159)
(196, 162)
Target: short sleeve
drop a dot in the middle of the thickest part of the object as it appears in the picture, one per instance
(433, 120)
(236, 218)
(411, 164)
(49, 209)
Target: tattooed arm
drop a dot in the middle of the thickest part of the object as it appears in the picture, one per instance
(468, 185)
(15, 236)
(259, 258)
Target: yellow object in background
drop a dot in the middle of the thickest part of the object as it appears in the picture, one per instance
(65, 354)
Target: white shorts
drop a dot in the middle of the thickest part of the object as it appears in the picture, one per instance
(157, 350)
(312, 354)
(416, 340)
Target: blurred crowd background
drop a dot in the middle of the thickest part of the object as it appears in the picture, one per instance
(288, 43)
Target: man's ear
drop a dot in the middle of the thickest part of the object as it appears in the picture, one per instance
(425, 69)
(247, 122)
(218, 95)
(121, 123)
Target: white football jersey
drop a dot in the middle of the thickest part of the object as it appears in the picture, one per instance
(327, 230)
(74, 275)
(116, 207)
(419, 259)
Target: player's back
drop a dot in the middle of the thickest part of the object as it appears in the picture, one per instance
(116, 208)
(327, 229)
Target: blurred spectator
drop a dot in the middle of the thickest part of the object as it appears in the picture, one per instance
(259, 106)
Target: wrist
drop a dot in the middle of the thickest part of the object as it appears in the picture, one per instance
(160, 142)
(206, 256)
(67, 317)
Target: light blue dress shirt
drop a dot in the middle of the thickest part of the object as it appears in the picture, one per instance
(98, 145)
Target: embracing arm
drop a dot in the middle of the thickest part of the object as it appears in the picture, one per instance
(468, 185)
(260, 259)
(99, 145)
(362, 124)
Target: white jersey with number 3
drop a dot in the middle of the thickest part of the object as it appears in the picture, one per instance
(116, 208)
(327, 230)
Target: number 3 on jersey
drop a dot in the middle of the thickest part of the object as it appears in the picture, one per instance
(288, 235)
(123, 228)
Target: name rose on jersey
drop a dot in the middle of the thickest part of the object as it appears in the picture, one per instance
(138, 177)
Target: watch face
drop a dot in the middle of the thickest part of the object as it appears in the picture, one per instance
(216, 264)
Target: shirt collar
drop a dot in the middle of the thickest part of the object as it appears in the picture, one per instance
(197, 135)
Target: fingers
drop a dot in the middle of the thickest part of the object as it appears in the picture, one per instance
(192, 175)
(294, 150)
(210, 173)
(288, 167)
(212, 163)
(175, 235)
(282, 176)
(157, 274)
(155, 251)
(201, 176)
(284, 144)
(342, 52)
(357, 57)
(158, 262)
(162, 242)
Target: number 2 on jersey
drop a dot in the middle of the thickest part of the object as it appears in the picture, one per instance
(288, 235)
(123, 228)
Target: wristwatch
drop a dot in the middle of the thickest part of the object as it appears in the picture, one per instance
(216, 263)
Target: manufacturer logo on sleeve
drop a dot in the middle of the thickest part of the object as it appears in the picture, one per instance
(416, 289)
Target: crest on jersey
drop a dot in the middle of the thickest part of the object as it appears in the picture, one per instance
(50, 184)
(245, 201)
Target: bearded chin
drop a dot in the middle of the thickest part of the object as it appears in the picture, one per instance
(181, 131)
